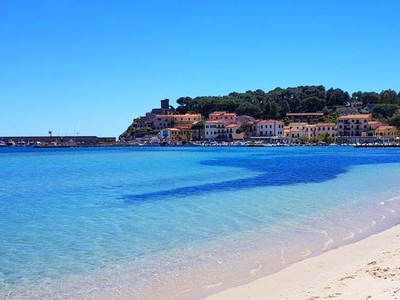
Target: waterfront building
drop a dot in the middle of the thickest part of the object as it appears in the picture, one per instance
(171, 121)
(354, 125)
(386, 131)
(222, 126)
(215, 130)
(269, 128)
(372, 126)
(176, 134)
(231, 131)
(298, 130)
(321, 129)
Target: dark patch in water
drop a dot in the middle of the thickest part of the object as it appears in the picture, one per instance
(276, 171)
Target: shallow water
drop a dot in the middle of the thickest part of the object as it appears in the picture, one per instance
(159, 221)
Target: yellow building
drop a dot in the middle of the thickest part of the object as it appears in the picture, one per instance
(177, 134)
(386, 131)
(170, 121)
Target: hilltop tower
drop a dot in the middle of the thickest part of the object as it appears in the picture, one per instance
(165, 104)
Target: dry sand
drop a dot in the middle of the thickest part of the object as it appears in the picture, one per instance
(368, 269)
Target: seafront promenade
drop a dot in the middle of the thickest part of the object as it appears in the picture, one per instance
(158, 143)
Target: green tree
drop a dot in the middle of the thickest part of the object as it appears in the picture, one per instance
(369, 98)
(247, 128)
(388, 97)
(336, 97)
(246, 108)
(312, 104)
(395, 121)
(185, 104)
(199, 127)
(384, 111)
(356, 96)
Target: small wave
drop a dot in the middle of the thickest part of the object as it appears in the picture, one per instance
(383, 217)
(214, 258)
(180, 294)
(213, 285)
(306, 252)
(373, 222)
(394, 198)
(392, 211)
(381, 203)
(350, 236)
(283, 257)
(256, 270)
(328, 242)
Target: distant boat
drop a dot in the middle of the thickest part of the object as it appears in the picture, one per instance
(2, 144)
(21, 143)
(11, 143)
(37, 144)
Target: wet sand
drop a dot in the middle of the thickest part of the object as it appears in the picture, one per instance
(367, 269)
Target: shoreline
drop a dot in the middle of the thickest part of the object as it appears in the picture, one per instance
(366, 269)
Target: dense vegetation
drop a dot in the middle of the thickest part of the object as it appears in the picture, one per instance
(277, 103)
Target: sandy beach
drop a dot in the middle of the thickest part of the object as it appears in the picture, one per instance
(367, 269)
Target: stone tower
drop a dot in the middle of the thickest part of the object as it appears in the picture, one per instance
(165, 104)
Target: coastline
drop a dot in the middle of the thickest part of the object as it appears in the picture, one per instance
(367, 269)
(121, 281)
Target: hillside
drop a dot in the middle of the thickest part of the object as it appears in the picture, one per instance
(276, 103)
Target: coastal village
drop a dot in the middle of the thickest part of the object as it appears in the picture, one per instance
(228, 128)
(166, 126)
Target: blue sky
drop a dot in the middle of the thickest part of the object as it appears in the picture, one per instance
(96, 65)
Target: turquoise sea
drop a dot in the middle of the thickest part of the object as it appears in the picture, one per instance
(164, 221)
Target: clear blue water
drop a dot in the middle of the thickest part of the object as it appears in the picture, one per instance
(157, 221)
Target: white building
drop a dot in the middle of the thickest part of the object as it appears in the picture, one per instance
(327, 129)
(215, 130)
(269, 128)
(298, 130)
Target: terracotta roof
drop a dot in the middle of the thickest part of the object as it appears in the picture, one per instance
(384, 127)
(179, 116)
(298, 124)
(269, 121)
(304, 114)
(224, 113)
(351, 117)
(326, 124)
(214, 122)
